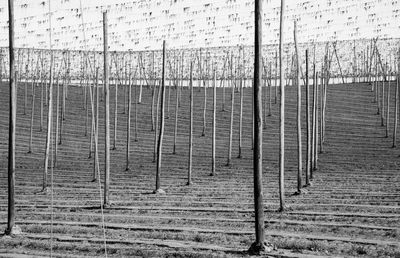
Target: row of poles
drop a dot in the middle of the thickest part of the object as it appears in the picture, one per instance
(315, 124)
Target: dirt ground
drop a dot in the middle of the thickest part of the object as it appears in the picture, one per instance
(351, 208)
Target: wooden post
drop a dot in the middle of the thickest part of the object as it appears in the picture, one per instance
(269, 89)
(161, 134)
(383, 103)
(49, 126)
(316, 121)
(190, 126)
(282, 114)
(11, 227)
(321, 148)
(156, 125)
(203, 133)
(308, 149)
(313, 123)
(396, 112)
(96, 166)
(299, 143)
(153, 96)
(240, 117)
(259, 245)
(387, 108)
(214, 122)
(41, 101)
(128, 126)
(231, 124)
(276, 76)
(107, 112)
(176, 113)
(57, 120)
(116, 113)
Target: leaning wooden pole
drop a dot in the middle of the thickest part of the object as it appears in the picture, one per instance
(282, 114)
(32, 113)
(161, 134)
(11, 227)
(49, 126)
(106, 112)
(259, 245)
(231, 124)
(308, 149)
(299, 143)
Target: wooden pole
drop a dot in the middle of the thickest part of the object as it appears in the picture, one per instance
(156, 125)
(57, 120)
(107, 112)
(231, 124)
(11, 227)
(269, 89)
(116, 114)
(308, 149)
(190, 126)
(32, 112)
(41, 100)
(49, 126)
(176, 113)
(282, 113)
(396, 112)
(276, 76)
(203, 133)
(240, 118)
(259, 245)
(128, 126)
(161, 134)
(321, 148)
(387, 108)
(96, 165)
(214, 123)
(299, 143)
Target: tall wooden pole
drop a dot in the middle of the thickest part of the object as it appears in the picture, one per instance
(128, 126)
(308, 159)
(161, 134)
(240, 117)
(282, 114)
(396, 112)
(387, 108)
(11, 227)
(299, 143)
(49, 126)
(214, 123)
(176, 113)
(189, 182)
(107, 112)
(259, 245)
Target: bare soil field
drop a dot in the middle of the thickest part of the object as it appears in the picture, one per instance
(351, 208)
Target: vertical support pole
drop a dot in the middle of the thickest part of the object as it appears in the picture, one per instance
(282, 113)
(240, 117)
(176, 113)
(107, 112)
(259, 245)
(214, 122)
(387, 108)
(49, 125)
(161, 134)
(190, 126)
(396, 112)
(128, 126)
(11, 227)
(231, 123)
(308, 160)
(299, 143)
